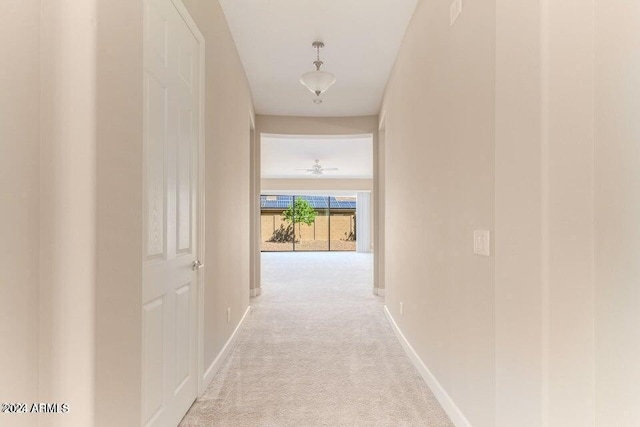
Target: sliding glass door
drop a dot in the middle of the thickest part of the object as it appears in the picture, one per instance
(308, 223)
(277, 233)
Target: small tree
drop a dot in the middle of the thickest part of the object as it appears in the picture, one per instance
(301, 212)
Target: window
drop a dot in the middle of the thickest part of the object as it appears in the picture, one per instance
(308, 223)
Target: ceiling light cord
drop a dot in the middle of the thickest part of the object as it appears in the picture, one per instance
(318, 63)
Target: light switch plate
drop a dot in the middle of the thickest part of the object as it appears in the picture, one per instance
(455, 10)
(482, 242)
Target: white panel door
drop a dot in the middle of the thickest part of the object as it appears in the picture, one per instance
(170, 276)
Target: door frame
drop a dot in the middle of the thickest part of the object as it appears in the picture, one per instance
(378, 206)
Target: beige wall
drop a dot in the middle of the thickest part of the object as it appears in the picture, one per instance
(518, 203)
(558, 185)
(68, 209)
(617, 197)
(54, 126)
(288, 125)
(119, 184)
(91, 240)
(568, 200)
(228, 122)
(439, 161)
(73, 183)
(19, 198)
(118, 314)
(544, 214)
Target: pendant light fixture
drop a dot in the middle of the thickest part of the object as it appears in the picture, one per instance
(318, 81)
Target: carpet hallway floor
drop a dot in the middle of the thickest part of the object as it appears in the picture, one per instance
(317, 350)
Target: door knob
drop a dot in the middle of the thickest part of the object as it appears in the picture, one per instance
(197, 265)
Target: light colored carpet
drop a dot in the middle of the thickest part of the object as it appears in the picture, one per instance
(317, 350)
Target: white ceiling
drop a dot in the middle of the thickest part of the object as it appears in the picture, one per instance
(361, 39)
(281, 156)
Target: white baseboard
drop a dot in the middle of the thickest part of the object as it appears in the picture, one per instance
(255, 292)
(455, 414)
(378, 291)
(212, 370)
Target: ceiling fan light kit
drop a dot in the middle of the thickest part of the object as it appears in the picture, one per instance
(318, 81)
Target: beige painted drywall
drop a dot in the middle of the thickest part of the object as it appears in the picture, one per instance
(56, 89)
(119, 185)
(68, 210)
(617, 201)
(544, 214)
(91, 178)
(489, 125)
(119, 157)
(82, 330)
(228, 113)
(568, 213)
(19, 198)
(290, 125)
(439, 164)
(518, 205)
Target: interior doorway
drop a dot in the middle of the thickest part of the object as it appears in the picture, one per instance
(315, 198)
(316, 193)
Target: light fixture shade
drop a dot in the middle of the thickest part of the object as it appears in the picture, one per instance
(317, 81)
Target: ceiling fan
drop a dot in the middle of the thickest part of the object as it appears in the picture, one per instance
(317, 169)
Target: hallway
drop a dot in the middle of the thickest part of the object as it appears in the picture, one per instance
(493, 151)
(317, 350)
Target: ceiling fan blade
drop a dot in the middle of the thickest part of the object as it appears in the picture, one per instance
(330, 169)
